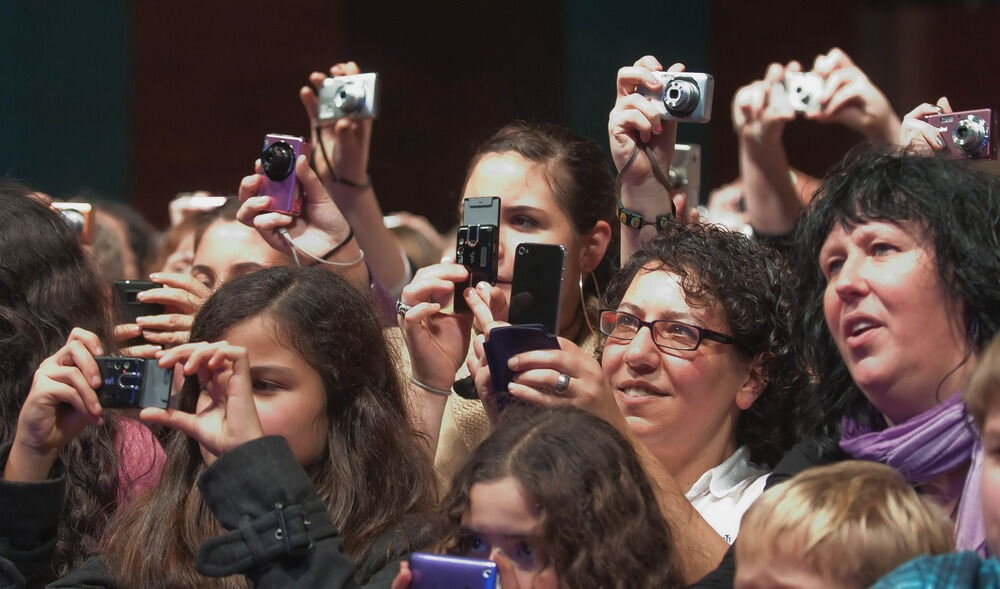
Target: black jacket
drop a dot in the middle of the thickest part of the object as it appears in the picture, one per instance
(280, 534)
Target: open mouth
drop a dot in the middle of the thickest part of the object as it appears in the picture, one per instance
(858, 328)
(637, 393)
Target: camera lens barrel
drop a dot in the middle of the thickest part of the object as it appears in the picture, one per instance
(350, 97)
(971, 134)
(681, 97)
(278, 160)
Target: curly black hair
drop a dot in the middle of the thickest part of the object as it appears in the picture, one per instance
(959, 211)
(599, 521)
(755, 291)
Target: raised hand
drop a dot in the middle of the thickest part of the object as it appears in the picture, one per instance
(918, 135)
(850, 98)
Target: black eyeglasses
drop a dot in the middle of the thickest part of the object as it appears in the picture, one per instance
(672, 335)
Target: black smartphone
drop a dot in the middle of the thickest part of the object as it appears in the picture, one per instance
(128, 306)
(478, 245)
(511, 340)
(133, 383)
(438, 571)
(534, 294)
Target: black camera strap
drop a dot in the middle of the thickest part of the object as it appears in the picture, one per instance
(632, 218)
(333, 171)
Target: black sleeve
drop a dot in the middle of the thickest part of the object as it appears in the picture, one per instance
(801, 456)
(29, 523)
(92, 574)
(280, 532)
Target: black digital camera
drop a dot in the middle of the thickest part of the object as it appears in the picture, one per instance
(133, 383)
(478, 245)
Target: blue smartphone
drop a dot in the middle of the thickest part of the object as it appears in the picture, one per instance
(511, 340)
(439, 571)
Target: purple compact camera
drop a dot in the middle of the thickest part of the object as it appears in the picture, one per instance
(968, 134)
(435, 571)
(277, 162)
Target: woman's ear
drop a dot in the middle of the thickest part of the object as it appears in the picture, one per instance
(753, 386)
(593, 245)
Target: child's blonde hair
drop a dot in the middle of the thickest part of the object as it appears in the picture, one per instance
(984, 384)
(851, 522)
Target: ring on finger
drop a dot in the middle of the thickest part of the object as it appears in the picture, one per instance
(402, 308)
(562, 383)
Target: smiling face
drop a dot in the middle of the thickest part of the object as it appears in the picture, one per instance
(683, 405)
(898, 330)
(500, 515)
(228, 249)
(288, 392)
(530, 213)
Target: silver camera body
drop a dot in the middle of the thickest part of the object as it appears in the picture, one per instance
(685, 173)
(348, 97)
(685, 96)
(803, 91)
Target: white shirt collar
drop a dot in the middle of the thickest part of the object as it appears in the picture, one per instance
(730, 476)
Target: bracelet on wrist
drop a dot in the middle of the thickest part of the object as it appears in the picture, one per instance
(631, 218)
(429, 388)
(636, 221)
(336, 248)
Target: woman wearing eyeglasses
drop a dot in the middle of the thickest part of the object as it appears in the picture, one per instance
(697, 367)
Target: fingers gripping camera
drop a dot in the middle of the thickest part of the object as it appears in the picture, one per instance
(968, 134)
(685, 96)
(348, 97)
(277, 162)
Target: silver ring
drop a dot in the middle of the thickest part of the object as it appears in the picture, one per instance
(402, 308)
(562, 383)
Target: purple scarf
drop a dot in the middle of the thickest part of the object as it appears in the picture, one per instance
(931, 444)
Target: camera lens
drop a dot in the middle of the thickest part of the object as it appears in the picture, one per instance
(350, 98)
(278, 160)
(971, 134)
(116, 366)
(681, 97)
(521, 250)
(126, 365)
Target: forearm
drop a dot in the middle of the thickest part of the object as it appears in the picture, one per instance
(649, 199)
(427, 411)
(771, 198)
(361, 209)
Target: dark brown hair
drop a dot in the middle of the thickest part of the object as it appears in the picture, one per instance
(374, 471)
(600, 521)
(48, 286)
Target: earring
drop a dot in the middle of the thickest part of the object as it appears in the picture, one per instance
(583, 300)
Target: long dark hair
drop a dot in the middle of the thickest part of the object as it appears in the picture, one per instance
(600, 520)
(755, 291)
(373, 472)
(48, 286)
(958, 210)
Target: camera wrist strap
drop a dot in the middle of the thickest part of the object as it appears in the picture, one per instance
(333, 171)
(632, 218)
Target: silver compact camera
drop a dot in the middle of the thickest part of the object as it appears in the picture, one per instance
(685, 96)
(348, 97)
(685, 173)
(803, 90)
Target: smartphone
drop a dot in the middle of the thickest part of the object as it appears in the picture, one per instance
(438, 571)
(506, 342)
(128, 306)
(133, 383)
(80, 216)
(537, 282)
(478, 245)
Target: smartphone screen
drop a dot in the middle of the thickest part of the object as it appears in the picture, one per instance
(537, 282)
(478, 245)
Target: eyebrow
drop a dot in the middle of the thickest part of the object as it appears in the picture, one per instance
(243, 268)
(669, 315)
(273, 370)
(203, 270)
(523, 209)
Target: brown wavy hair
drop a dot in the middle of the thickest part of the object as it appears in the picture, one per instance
(48, 286)
(600, 520)
(373, 473)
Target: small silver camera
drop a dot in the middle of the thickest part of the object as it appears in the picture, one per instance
(685, 96)
(348, 97)
(803, 90)
(685, 173)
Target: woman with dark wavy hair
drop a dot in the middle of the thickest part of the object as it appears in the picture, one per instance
(559, 499)
(900, 255)
(48, 286)
(290, 463)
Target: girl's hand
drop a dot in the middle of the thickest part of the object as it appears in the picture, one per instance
(223, 371)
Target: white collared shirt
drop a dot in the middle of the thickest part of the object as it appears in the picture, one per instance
(723, 494)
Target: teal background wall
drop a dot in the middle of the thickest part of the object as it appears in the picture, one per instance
(64, 95)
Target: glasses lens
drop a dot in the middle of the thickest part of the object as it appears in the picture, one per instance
(618, 325)
(676, 335)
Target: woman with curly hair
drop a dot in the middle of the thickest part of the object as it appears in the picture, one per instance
(558, 498)
(900, 255)
(697, 367)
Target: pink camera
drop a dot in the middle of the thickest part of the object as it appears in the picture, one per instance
(277, 162)
(968, 134)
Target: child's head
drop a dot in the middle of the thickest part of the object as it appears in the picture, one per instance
(563, 495)
(983, 400)
(842, 525)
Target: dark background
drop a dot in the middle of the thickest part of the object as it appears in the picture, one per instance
(140, 100)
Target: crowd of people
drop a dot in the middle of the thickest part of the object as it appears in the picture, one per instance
(793, 386)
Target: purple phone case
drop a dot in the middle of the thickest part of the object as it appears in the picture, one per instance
(511, 340)
(437, 571)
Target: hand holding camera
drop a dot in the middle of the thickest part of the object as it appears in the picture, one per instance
(850, 98)
(228, 417)
(157, 314)
(61, 403)
(959, 135)
(341, 108)
(762, 108)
